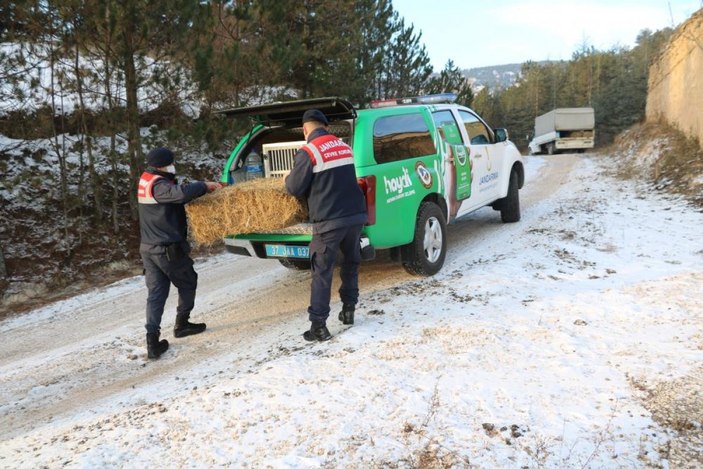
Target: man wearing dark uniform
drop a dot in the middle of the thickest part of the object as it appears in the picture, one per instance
(164, 247)
(323, 173)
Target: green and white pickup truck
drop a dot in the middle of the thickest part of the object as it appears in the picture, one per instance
(422, 162)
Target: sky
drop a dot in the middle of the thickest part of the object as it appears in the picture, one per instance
(560, 341)
(479, 33)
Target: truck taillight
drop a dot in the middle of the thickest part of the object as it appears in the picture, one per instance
(368, 187)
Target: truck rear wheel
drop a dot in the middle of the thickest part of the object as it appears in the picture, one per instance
(425, 254)
(295, 264)
(510, 204)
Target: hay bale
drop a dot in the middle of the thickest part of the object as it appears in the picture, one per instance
(253, 206)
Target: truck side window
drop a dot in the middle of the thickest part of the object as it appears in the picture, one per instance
(401, 137)
(479, 134)
(447, 127)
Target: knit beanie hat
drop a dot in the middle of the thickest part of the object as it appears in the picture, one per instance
(159, 157)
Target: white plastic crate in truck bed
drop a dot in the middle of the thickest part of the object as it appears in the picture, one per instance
(278, 157)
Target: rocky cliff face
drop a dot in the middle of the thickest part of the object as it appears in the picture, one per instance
(676, 80)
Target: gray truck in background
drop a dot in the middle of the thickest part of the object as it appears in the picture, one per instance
(563, 129)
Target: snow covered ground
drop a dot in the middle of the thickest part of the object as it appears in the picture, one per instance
(540, 344)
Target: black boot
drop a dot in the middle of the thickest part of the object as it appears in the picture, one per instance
(184, 327)
(347, 314)
(155, 347)
(318, 331)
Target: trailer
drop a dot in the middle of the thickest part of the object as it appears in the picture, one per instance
(564, 129)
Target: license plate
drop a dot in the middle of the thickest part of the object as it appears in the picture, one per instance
(282, 250)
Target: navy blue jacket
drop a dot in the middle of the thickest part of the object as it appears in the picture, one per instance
(164, 222)
(333, 195)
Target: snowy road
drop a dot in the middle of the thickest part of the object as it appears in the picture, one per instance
(560, 325)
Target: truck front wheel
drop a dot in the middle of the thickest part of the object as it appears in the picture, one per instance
(550, 149)
(510, 204)
(425, 254)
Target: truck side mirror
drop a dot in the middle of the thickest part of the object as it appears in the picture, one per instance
(501, 135)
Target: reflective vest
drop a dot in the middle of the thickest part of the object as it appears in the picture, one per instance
(145, 189)
(327, 152)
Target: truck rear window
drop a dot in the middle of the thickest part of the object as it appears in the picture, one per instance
(401, 137)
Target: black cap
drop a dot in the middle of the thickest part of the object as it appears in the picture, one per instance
(314, 115)
(159, 157)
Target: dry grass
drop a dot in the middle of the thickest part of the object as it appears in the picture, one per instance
(678, 405)
(248, 207)
(664, 156)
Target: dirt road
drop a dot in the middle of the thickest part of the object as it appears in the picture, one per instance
(51, 368)
(570, 339)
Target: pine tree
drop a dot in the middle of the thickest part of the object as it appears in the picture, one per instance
(451, 80)
(148, 32)
(406, 67)
(378, 25)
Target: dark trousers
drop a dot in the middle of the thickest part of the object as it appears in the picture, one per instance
(159, 273)
(323, 257)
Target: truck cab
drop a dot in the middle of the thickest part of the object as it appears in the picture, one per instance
(422, 163)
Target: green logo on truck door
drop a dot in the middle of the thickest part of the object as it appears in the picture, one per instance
(462, 165)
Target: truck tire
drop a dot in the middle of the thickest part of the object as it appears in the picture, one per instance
(550, 148)
(295, 264)
(425, 254)
(510, 204)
